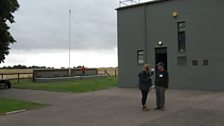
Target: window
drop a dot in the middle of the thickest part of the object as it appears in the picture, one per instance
(140, 56)
(181, 26)
(181, 36)
(194, 62)
(205, 62)
(181, 61)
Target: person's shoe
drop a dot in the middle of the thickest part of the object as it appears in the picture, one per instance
(144, 108)
(162, 109)
(157, 108)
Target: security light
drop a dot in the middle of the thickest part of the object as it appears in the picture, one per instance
(160, 43)
(175, 14)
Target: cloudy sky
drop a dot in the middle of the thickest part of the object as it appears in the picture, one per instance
(42, 28)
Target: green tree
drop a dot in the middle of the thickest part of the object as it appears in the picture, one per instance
(7, 7)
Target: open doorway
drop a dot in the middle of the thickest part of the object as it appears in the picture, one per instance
(161, 56)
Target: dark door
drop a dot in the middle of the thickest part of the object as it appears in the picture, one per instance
(161, 56)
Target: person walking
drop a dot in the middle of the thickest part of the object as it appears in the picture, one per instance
(83, 70)
(145, 82)
(161, 83)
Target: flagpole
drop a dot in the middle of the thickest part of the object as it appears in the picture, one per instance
(69, 41)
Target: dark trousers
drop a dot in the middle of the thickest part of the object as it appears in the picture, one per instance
(144, 96)
(160, 96)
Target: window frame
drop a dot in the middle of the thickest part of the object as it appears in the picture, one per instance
(181, 36)
(140, 56)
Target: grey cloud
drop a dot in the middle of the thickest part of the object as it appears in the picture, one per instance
(44, 24)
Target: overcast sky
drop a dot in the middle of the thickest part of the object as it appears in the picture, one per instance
(42, 28)
(43, 24)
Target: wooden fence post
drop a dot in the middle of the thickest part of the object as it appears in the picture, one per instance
(106, 73)
(18, 78)
(115, 73)
(33, 77)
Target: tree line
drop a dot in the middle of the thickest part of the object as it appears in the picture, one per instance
(25, 67)
(33, 67)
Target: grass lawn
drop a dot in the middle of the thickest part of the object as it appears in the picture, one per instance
(75, 86)
(9, 105)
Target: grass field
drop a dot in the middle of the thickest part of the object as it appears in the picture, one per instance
(76, 86)
(6, 71)
(9, 105)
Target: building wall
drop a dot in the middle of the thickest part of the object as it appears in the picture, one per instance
(131, 37)
(53, 73)
(204, 41)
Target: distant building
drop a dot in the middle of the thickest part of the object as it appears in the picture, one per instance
(187, 35)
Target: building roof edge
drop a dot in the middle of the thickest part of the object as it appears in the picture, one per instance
(140, 4)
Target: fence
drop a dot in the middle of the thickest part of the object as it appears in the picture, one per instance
(108, 71)
(16, 76)
(28, 74)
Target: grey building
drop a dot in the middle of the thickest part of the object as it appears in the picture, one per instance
(187, 35)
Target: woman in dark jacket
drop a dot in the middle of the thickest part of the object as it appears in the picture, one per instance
(145, 82)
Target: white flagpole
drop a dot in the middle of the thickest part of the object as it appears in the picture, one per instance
(69, 68)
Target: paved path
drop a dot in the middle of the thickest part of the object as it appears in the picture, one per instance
(117, 107)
